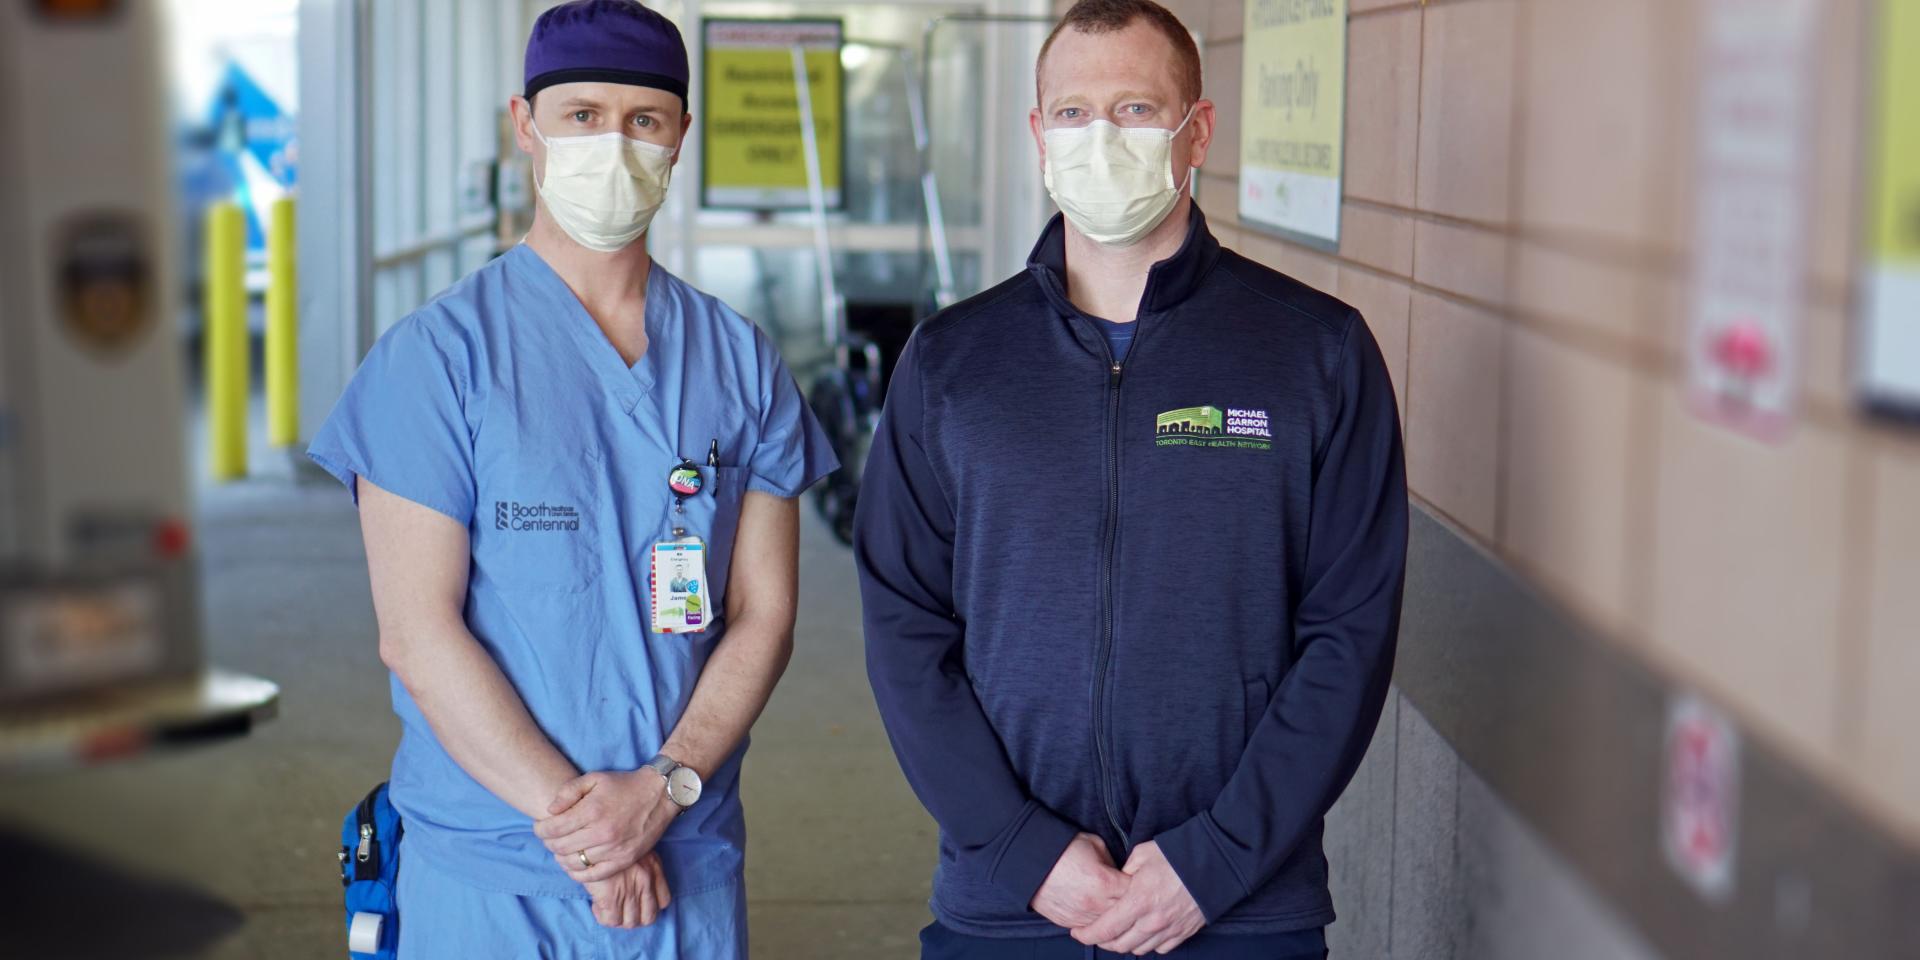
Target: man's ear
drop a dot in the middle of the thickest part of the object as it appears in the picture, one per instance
(1039, 133)
(522, 110)
(1201, 131)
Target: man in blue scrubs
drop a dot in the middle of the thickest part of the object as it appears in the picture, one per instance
(532, 452)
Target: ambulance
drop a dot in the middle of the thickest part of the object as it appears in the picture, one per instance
(101, 652)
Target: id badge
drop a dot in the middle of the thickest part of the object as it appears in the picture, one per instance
(678, 582)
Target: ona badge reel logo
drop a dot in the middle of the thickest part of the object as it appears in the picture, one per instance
(685, 480)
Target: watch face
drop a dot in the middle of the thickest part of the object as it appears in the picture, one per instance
(683, 786)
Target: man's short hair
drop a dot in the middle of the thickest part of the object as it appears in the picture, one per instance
(1113, 16)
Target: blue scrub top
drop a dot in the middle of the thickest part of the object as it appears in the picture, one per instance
(502, 405)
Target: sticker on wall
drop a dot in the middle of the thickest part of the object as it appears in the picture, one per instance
(1887, 358)
(104, 275)
(1293, 118)
(1754, 141)
(1700, 797)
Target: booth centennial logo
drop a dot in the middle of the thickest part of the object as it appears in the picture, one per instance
(516, 516)
(1210, 426)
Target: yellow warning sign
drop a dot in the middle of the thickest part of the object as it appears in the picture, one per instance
(1896, 208)
(1888, 351)
(753, 148)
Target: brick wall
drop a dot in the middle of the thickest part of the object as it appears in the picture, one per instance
(1516, 229)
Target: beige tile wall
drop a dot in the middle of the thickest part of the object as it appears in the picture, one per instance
(1887, 752)
(1455, 369)
(1517, 229)
(1465, 163)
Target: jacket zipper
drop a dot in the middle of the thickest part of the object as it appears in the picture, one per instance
(1105, 653)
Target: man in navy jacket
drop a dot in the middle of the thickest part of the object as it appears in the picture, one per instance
(1131, 543)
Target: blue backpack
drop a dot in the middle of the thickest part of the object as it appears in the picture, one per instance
(369, 867)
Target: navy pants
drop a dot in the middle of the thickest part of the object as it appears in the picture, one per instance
(939, 943)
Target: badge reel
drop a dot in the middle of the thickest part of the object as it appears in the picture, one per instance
(678, 577)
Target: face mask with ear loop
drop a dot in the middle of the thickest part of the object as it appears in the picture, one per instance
(603, 190)
(1115, 184)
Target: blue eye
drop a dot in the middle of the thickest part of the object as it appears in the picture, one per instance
(643, 121)
(582, 116)
(1070, 113)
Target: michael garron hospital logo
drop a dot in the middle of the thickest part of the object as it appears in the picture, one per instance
(1209, 426)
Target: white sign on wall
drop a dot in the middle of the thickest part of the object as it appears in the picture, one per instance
(1750, 212)
(1293, 118)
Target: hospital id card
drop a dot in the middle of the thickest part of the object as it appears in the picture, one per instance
(678, 582)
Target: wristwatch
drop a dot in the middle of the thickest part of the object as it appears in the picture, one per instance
(683, 782)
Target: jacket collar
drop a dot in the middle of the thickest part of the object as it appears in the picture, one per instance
(1169, 283)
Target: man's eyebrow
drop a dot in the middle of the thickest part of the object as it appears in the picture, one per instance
(580, 101)
(1125, 96)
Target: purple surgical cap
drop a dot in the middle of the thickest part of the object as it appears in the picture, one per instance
(606, 41)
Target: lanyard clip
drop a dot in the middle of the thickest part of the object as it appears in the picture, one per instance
(685, 481)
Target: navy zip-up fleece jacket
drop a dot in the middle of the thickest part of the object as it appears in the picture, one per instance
(1150, 601)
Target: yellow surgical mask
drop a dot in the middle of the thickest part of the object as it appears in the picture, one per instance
(1114, 183)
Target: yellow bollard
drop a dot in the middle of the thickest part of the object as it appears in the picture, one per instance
(283, 355)
(225, 334)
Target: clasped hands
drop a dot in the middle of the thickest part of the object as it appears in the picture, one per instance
(615, 820)
(1140, 908)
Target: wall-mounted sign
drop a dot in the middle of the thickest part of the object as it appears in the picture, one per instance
(1888, 342)
(1700, 797)
(1754, 140)
(1293, 118)
(751, 143)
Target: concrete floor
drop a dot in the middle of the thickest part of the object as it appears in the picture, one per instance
(227, 850)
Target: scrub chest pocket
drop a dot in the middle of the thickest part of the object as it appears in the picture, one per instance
(714, 516)
(544, 524)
